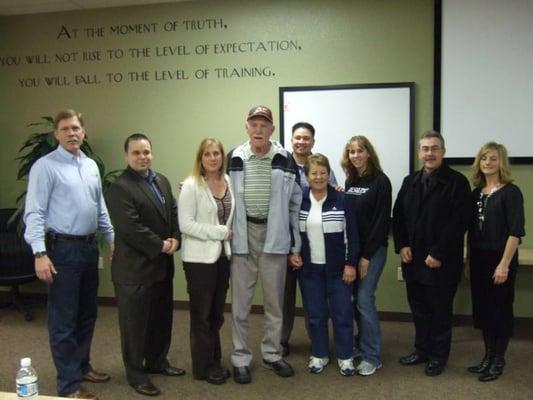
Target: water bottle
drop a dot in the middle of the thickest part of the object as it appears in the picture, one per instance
(27, 381)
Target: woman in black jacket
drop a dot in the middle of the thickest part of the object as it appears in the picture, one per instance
(495, 233)
(370, 192)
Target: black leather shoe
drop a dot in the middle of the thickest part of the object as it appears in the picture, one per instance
(480, 368)
(434, 368)
(168, 371)
(281, 367)
(219, 366)
(413, 359)
(147, 389)
(242, 375)
(494, 371)
(217, 377)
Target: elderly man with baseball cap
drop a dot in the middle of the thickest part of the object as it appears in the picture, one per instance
(265, 178)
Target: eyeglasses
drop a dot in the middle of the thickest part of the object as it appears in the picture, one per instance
(432, 149)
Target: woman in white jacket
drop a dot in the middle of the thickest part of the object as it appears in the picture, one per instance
(205, 211)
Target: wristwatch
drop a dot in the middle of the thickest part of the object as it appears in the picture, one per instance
(40, 254)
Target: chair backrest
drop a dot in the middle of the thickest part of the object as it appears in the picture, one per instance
(5, 214)
(16, 256)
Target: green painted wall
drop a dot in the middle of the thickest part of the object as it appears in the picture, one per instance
(295, 43)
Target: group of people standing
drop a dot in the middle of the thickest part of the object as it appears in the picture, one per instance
(262, 213)
(432, 212)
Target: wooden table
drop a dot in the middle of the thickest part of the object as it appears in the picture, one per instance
(13, 396)
(525, 257)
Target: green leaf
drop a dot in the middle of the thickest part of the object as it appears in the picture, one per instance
(21, 196)
(51, 140)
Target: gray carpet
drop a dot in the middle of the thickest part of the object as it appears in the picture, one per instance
(19, 339)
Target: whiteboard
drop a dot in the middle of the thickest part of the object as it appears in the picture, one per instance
(486, 85)
(384, 113)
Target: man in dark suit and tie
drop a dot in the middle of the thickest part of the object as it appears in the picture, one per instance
(144, 214)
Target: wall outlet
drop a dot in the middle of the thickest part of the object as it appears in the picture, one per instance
(100, 263)
(399, 274)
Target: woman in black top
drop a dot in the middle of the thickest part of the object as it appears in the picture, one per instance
(494, 235)
(370, 192)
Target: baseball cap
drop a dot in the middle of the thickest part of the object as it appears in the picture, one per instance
(260, 111)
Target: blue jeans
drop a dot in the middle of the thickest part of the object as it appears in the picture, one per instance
(324, 295)
(365, 312)
(72, 310)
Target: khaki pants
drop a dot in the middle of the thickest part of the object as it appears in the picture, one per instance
(245, 271)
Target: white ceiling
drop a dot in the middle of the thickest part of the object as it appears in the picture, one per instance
(14, 7)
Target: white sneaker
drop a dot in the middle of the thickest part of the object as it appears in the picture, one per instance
(365, 368)
(346, 367)
(316, 364)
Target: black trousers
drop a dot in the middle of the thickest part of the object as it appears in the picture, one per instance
(145, 321)
(432, 308)
(207, 285)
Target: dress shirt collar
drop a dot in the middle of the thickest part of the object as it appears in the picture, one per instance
(150, 177)
(138, 175)
(67, 155)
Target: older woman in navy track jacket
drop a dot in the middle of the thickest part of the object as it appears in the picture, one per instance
(328, 271)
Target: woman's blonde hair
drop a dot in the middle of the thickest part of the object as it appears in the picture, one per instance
(373, 160)
(198, 171)
(478, 178)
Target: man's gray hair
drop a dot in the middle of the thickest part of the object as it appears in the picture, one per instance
(432, 134)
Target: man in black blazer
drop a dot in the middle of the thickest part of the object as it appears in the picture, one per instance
(430, 217)
(144, 215)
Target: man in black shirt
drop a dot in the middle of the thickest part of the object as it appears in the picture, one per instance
(430, 217)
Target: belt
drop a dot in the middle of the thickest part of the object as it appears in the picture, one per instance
(64, 236)
(259, 221)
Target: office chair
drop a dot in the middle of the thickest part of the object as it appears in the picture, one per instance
(16, 262)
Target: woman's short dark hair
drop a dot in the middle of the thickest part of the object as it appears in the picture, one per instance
(316, 159)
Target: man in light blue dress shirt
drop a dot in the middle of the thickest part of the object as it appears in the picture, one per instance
(64, 209)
